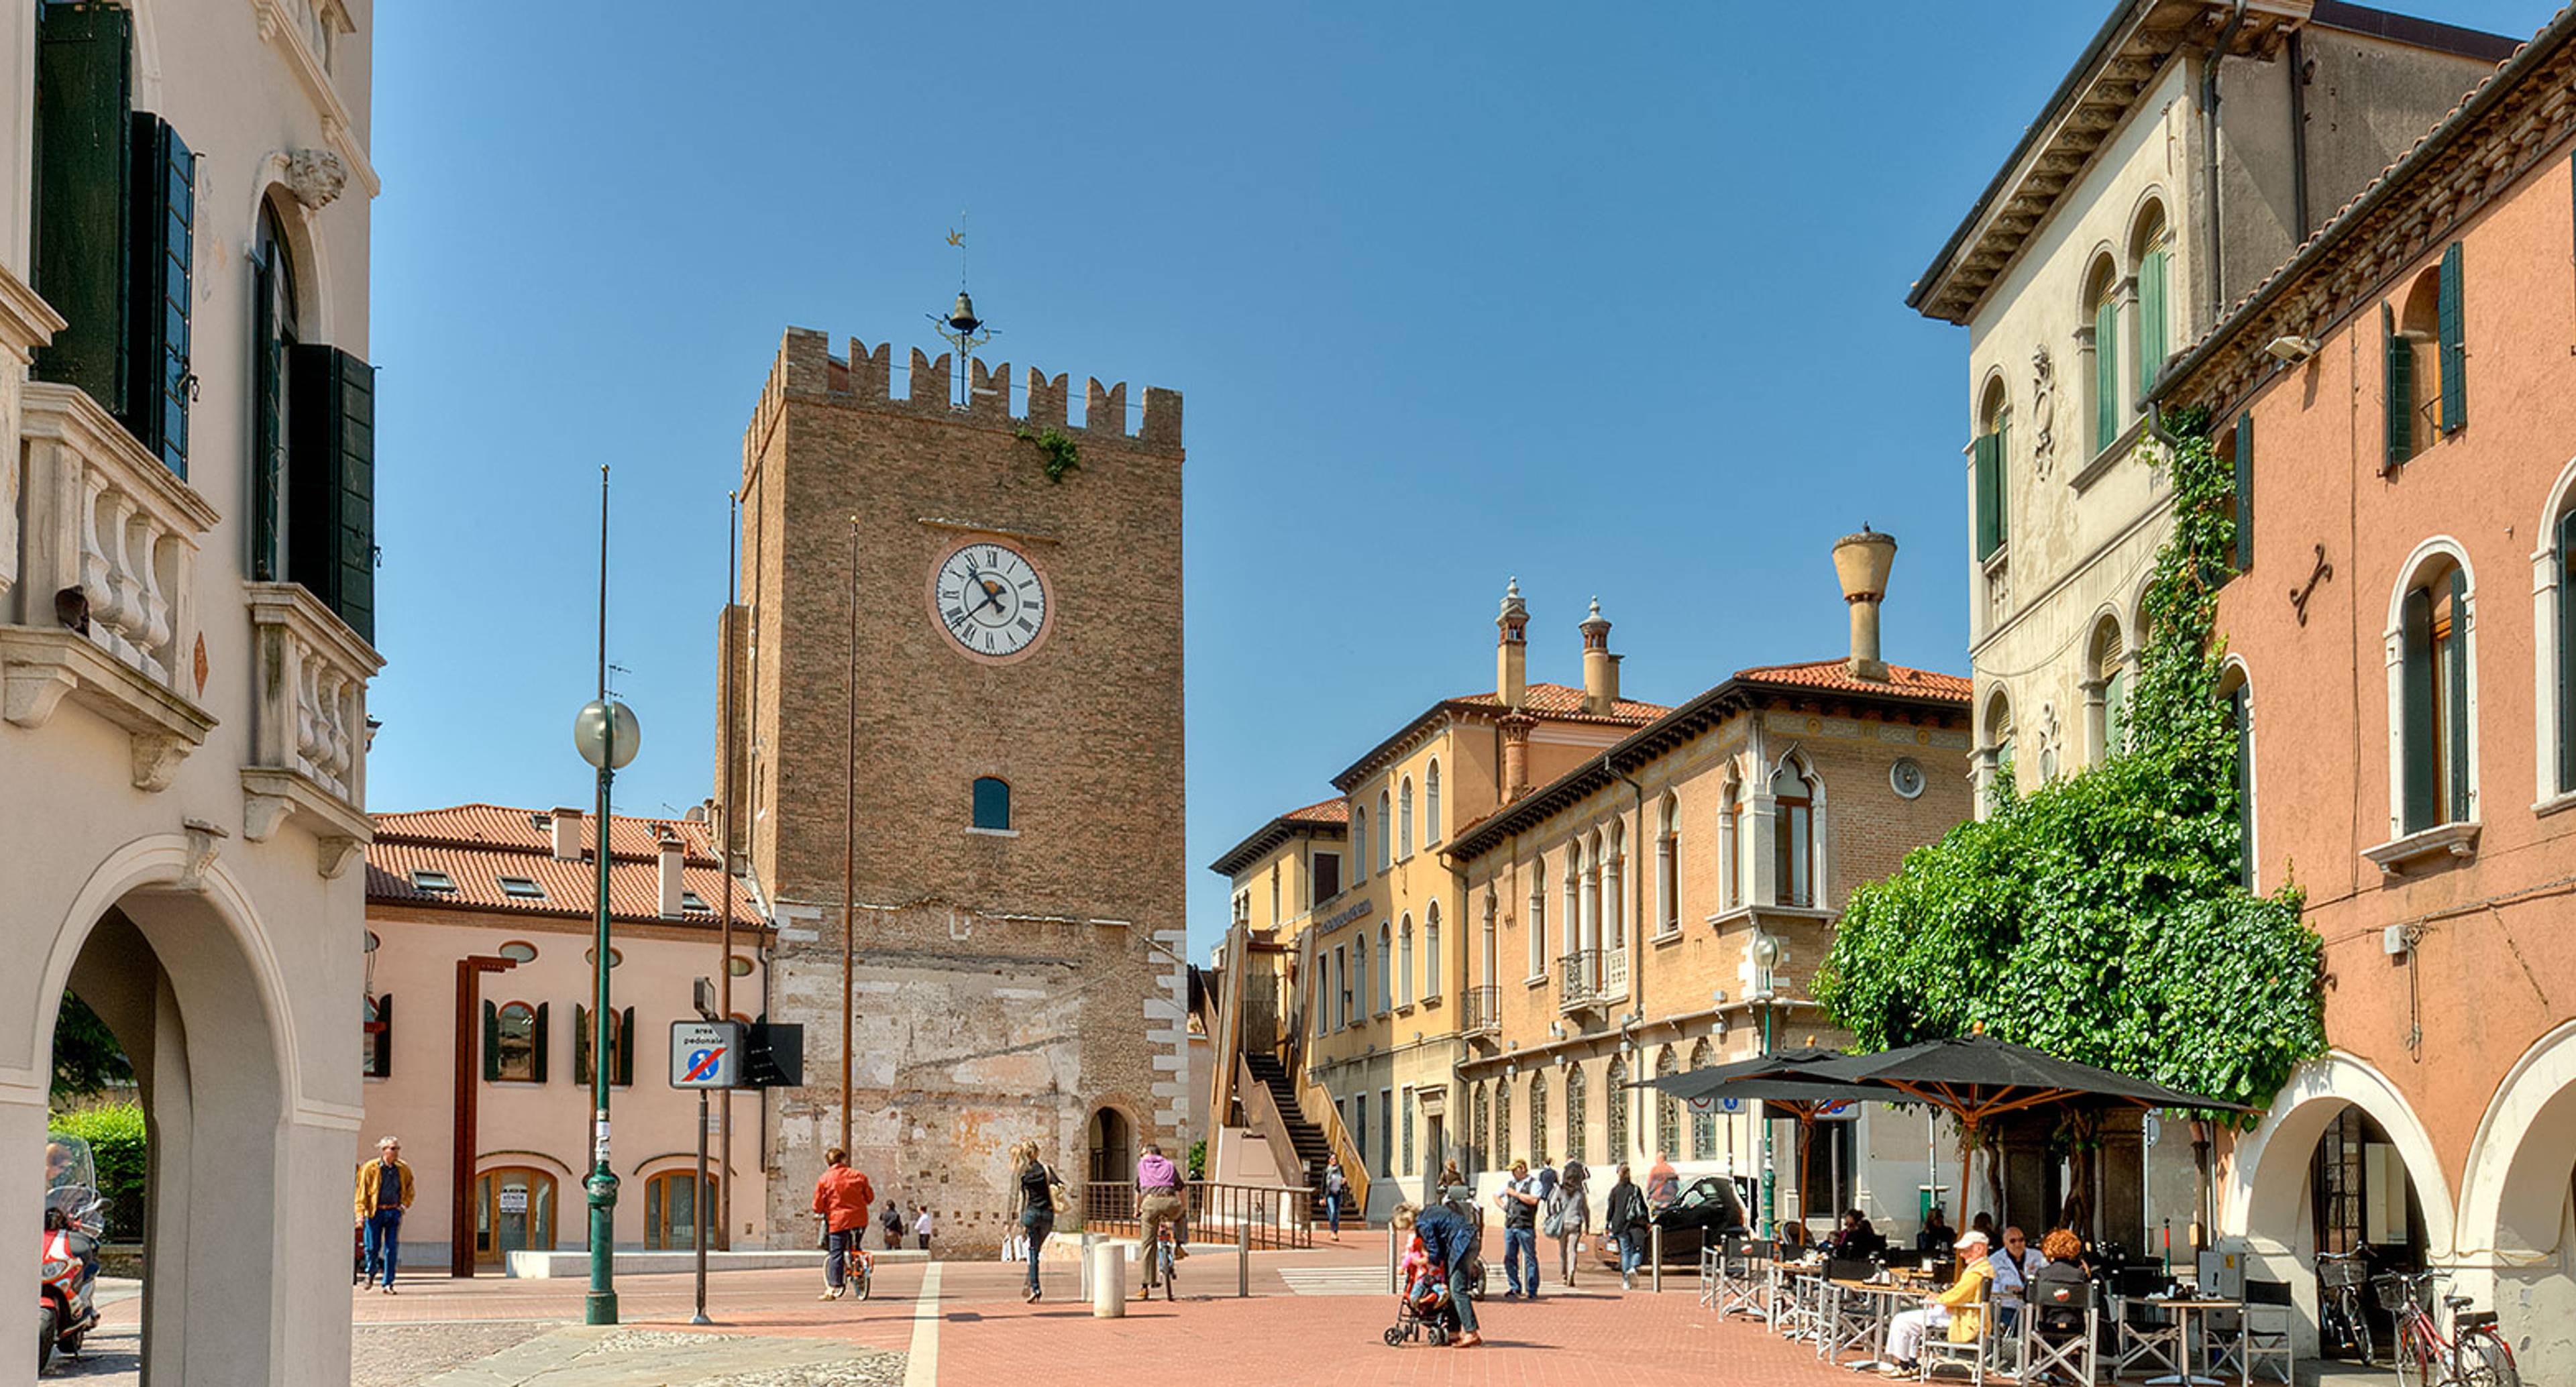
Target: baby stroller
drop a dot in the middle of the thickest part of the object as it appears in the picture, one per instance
(1423, 1313)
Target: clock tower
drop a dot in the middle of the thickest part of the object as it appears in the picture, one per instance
(966, 623)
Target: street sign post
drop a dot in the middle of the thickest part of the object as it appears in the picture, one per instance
(706, 1054)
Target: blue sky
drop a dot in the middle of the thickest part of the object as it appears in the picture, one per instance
(1610, 298)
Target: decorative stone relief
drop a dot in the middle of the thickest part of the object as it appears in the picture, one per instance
(315, 176)
(2043, 411)
(2051, 737)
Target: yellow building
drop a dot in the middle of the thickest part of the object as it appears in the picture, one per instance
(1342, 938)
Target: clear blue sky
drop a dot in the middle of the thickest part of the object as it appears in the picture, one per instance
(1608, 297)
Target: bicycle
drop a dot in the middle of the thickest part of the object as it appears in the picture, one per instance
(2477, 1357)
(1164, 1260)
(2340, 1315)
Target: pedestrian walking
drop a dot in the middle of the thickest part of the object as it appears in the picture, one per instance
(841, 1199)
(1627, 1218)
(384, 1191)
(1337, 1187)
(1520, 1200)
(921, 1225)
(1572, 1205)
(1158, 1202)
(893, 1223)
(1036, 1186)
(1663, 1183)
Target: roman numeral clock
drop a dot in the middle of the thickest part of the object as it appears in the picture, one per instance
(991, 599)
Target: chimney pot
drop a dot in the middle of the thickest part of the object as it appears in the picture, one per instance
(1511, 648)
(567, 835)
(672, 860)
(1600, 668)
(1862, 563)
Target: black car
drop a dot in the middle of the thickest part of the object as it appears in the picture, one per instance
(1708, 1208)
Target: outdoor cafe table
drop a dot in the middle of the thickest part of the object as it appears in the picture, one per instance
(1874, 1311)
(2189, 1311)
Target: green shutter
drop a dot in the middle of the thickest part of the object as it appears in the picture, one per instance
(2566, 652)
(2244, 491)
(539, 1058)
(331, 470)
(2422, 800)
(2455, 347)
(491, 1042)
(2106, 374)
(383, 1068)
(2151, 319)
(2240, 718)
(2397, 388)
(623, 1054)
(580, 1043)
(83, 108)
(1987, 452)
(268, 426)
(164, 241)
(2455, 694)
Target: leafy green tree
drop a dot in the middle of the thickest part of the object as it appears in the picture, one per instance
(87, 1059)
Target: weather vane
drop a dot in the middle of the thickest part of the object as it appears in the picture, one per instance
(961, 329)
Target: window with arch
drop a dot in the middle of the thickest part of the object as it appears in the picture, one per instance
(2435, 680)
(1385, 968)
(1274, 893)
(2102, 311)
(1730, 844)
(1538, 1118)
(672, 1206)
(2557, 640)
(312, 443)
(514, 1211)
(2237, 694)
(1793, 837)
(1579, 923)
(1538, 918)
(2424, 365)
(1359, 845)
(1502, 1147)
(1668, 1109)
(2151, 250)
(1431, 950)
(1615, 1102)
(993, 814)
(2106, 690)
(514, 1042)
(1996, 732)
(1386, 823)
(1703, 1120)
(621, 1058)
(1342, 975)
(1988, 458)
(1577, 1098)
(1668, 851)
(1404, 820)
(1614, 887)
(1489, 964)
(1404, 962)
(1479, 1127)
(1431, 831)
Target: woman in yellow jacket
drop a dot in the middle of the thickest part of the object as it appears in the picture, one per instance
(1961, 1309)
(384, 1191)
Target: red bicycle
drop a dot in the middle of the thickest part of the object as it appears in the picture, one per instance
(2477, 1355)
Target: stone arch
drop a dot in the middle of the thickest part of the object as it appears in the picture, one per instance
(2548, 592)
(2516, 1217)
(2269, 1167)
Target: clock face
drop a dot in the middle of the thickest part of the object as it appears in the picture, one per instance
(992, 602)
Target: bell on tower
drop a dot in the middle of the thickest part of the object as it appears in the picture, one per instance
(1511, 649)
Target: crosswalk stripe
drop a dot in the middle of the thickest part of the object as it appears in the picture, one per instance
(1335, 1280)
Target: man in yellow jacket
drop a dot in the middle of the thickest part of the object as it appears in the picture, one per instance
(384, 1191)
(1961, 1309)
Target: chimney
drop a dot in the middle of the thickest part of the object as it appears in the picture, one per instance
(1862, 562)
(1600, 667)
(670, 878)
(1516, 732)
(1511, 649)
(567, 835)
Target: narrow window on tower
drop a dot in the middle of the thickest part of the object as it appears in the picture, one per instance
(992, 805)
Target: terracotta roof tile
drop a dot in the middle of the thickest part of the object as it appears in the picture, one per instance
(478, 844)
(1563, 701)
(1331, 811)
(1834, 674)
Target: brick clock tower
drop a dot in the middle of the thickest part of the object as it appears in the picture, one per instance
(1018, 905)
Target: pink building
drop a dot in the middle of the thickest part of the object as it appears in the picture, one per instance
(516, 887)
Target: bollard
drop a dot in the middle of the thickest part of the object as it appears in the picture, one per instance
(1655, 1241)
(1108, 1281)
(1242, 1259)
(1082, 1266)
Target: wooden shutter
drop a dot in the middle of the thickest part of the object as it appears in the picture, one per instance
(2244, 491)
(580, 1043)
(164, 242)
(2455, 348)
(2455, 696)
(491, 1042)
(1987, 453)
(622, 1069)
(2566, 651)
(538, 1071)
(267, 424)
(2106, 374)
(2422, 796)
(331, 472)
(83, 106)
(2151, 319)
(2397, 388)
(2240, 714)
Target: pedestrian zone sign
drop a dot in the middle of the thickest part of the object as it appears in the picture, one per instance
(706, 1054)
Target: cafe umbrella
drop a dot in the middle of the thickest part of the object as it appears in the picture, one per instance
(1777, 1080)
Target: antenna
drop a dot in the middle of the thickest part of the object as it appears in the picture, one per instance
(961, 329)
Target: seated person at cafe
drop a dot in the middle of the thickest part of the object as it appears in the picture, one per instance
(1956, 1310)
(1937, 1234)
(2015, 1263)
(1856, 1239)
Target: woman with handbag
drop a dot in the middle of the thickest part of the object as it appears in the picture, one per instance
(1039, 1195)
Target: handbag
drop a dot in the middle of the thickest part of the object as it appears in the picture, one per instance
(1056, 1196)
(1553, 1224)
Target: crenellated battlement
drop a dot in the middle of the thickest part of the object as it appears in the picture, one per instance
(864, 378)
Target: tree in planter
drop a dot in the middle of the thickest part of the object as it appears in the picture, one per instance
(2102, 918)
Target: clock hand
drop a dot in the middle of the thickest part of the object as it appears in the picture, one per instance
(992, 596)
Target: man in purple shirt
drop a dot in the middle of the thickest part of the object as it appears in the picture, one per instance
(1158, 1201)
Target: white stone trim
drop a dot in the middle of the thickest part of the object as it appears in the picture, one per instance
(2317, 1091)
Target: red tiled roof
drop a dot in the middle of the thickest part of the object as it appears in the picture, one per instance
(1836, 675)
(1562, 701)
(1331, 811)
(478, 844)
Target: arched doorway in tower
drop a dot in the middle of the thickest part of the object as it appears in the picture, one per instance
(1112, 1143)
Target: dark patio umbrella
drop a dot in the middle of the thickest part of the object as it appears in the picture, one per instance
(1776, 1079)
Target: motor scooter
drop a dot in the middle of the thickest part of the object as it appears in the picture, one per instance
(65, 1280)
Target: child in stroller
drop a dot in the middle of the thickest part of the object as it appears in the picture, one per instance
(1423, 1310)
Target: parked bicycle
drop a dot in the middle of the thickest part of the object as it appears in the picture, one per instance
(2342, 1319)
(2476, 1355)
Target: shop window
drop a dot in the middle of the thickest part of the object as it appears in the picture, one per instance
(673, 1202)
(514, 1211)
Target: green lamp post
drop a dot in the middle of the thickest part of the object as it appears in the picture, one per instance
(607, 736)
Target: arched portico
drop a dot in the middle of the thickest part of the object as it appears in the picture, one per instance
(2517, 1229)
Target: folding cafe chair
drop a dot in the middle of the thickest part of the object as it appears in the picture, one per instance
(2149, 1337)
(1975, 1354)
(2060, 1356)
(2254, 1338)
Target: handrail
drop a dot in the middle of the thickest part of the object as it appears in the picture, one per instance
(1228, 1036)
(1261, 1114)
(1264, 1217)
(1337, 1138)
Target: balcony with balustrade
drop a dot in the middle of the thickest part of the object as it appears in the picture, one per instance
(308, 723)
(1484, 1011)
(1578, 980)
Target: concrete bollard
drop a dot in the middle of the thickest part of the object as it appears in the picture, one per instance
(1082, 1266)
(1108, 1281)
(1655, 1254)
(1242, 1259)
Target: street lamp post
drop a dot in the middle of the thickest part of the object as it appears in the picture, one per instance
(607, 736)
(1766, 953)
